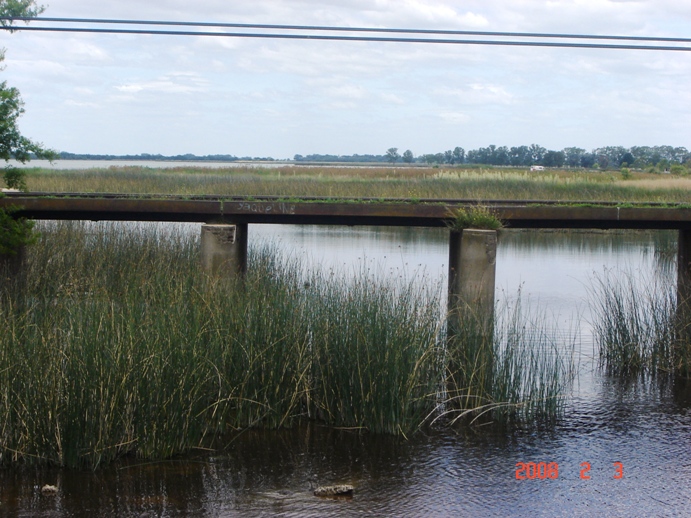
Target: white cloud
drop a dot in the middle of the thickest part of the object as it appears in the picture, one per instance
(477, 93)
(454, 117)
(175, 83)
(467, 94)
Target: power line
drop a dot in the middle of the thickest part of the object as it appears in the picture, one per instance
(323, 37)
(353, 29)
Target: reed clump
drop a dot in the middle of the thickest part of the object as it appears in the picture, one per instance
(477, 217)
(640, 326)
(512, 368)
(117, 344)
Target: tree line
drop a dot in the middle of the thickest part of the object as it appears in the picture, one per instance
(662, 157)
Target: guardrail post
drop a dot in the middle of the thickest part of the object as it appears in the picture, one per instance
(472, 272)
(224, 248)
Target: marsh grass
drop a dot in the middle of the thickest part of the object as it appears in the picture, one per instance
(516, 370)
(375, 182)
(640, 328)
(117, 344)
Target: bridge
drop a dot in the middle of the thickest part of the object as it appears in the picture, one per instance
(471, 252)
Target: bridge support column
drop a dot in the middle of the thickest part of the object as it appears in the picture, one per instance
(224, 249)
(472, 271)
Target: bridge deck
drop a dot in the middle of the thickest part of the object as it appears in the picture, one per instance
(321, 211)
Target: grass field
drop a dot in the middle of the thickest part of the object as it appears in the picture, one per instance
(378, 182)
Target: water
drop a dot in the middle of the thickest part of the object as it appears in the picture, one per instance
(155, 164)
(644, 427)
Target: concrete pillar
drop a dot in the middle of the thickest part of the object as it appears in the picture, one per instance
(472, 269)
(470, 346)
(224, 248)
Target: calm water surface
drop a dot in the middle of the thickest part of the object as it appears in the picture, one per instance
(645, 427)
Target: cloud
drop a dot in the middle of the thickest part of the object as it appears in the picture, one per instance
(454, 117)
(342, 85)
(180, 83)
(477, 93)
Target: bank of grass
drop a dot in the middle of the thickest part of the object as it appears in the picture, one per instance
(374, 182)
(114, 343)
(640, 328)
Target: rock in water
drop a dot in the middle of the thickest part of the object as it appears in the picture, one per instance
(49, 490)
(340, 490)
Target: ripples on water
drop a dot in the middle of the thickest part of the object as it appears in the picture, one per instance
(646, 426)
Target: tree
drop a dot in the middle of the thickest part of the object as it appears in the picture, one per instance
(536, 154)
(573, 156)
(19, 9)
(12, 143)
(627, 160)
(14, 233)
(408, 156)
(392, 154)
(458, 154)
(553, 159)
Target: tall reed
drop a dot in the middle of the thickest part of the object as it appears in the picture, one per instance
(117, 344)
(513, 368)
(640, 327)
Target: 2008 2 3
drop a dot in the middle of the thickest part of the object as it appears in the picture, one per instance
(544, 470)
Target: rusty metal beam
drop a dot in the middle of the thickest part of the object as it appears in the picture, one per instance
(433, 213)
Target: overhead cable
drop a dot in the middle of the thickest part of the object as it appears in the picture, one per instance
(337, 37)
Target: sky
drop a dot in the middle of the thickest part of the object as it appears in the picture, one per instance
(131, 94)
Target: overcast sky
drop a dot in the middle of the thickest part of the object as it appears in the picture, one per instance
(120, 94)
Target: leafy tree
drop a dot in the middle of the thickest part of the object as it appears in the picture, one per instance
(458, 154)
(392, 154)
(627, 160)
(19, 9)
(408, 156)
(553, 159)
(588, 160)
(519, 156)
(14, 233)
(536, 154)
(602, 161)
(573, 156)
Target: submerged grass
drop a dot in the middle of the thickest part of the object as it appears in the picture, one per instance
(114, 343)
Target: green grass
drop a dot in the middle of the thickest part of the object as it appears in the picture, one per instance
(115, 343)
(478, 217)
(376, 182)
(640, 329)
(514, 370)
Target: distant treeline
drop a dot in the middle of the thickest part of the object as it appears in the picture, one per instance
(660, 157)
(525, 156)
(341, 158)
(147, 156)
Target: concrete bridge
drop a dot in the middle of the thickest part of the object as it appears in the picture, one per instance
(471, 252)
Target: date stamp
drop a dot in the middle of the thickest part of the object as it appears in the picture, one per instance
(550, 470)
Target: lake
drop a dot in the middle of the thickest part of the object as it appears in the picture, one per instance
(636, 437)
